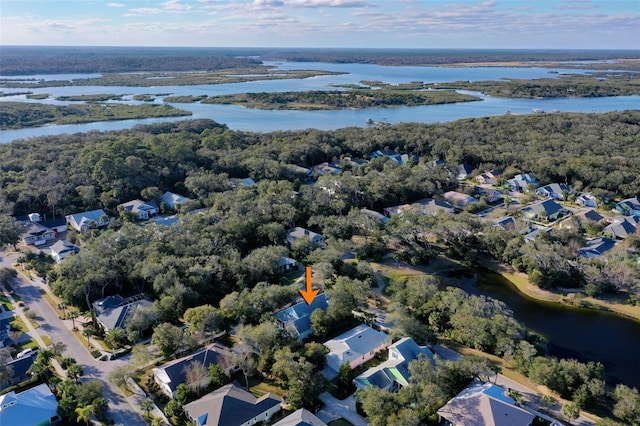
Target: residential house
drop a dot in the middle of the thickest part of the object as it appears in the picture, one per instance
(554, 190)
(489, 178)
(298, 232)
(437, 163)
(596, 247)
(36, 234)
(231, 405)
(174, 201)
(355, 347)
(423, 206)
(174, 373)
(590, 215)
(507, 223)
(61, 249)
(586, 200)
(394, 372)
(401, 159)
(484, 404)
(84, 221)
(326, 169)
(629, 207)
(286, 265)
(465, 171)
(298, 172)
(544, 210)
(113, 311)
(34, 407)
(301, 417)
(623, 226)
(492, 195)
(533, 232)
(297, 318)
(375, 215)
(142, 209)
(19, 370)
(242, 182)
(522, 182)
(459, 199)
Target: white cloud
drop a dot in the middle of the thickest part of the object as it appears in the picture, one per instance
(175, 5)
(116, 5)
(143, 11)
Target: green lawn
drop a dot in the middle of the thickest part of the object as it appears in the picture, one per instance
(17, 323)
(7, 305)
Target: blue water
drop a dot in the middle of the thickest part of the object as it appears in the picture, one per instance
(239, 118)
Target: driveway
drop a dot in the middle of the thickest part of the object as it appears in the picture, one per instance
(120, 411)
(334, 409)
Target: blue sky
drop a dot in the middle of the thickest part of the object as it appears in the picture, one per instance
(561, 24)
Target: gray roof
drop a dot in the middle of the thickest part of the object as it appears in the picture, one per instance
(597, 247)
(113, 311)
(549, 207)
(302, 417)
(622, 228)
(172, 200)
(176, 372)
(229, 406)
(299, 315)
(79, 220)
(484, 404)
(355, 343)
(62, 247)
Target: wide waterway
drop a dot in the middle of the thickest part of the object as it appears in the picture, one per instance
(239, 118)
(582, 334)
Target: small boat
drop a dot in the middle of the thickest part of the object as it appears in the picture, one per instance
(538, 110)
(369, 121)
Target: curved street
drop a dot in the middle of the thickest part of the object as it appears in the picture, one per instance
(124, 411)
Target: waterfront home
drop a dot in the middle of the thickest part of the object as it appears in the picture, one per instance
(355, 347)
(485, 404)
(401, 159)
(232, 406)
(84, 221)
(394, 372)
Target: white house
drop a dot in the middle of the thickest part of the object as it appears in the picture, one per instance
(355, 347)
(301, 417)
(36, 234)
(173, 201)
(61, 249)
(84, 221)
(554, 190)
(586, 200)
(394, 372)
(141, 209)
(296, 233)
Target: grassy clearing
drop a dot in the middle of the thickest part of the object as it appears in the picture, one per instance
(47, 340)
(18, 324)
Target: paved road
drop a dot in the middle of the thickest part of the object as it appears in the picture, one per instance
(120, 410)
(334, 409)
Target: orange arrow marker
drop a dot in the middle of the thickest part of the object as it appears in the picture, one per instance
(309, 294)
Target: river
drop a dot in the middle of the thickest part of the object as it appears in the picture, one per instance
(239, 118)
(583, 334)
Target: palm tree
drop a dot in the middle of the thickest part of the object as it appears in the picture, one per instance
(114, 337)
(75, 371)
(87, 332)
(84, 413)
(146, 405)
(45, 356)
(72, 315)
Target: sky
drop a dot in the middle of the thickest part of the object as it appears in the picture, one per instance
(559, 24)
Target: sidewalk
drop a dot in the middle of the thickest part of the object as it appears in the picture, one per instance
(34, 333)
